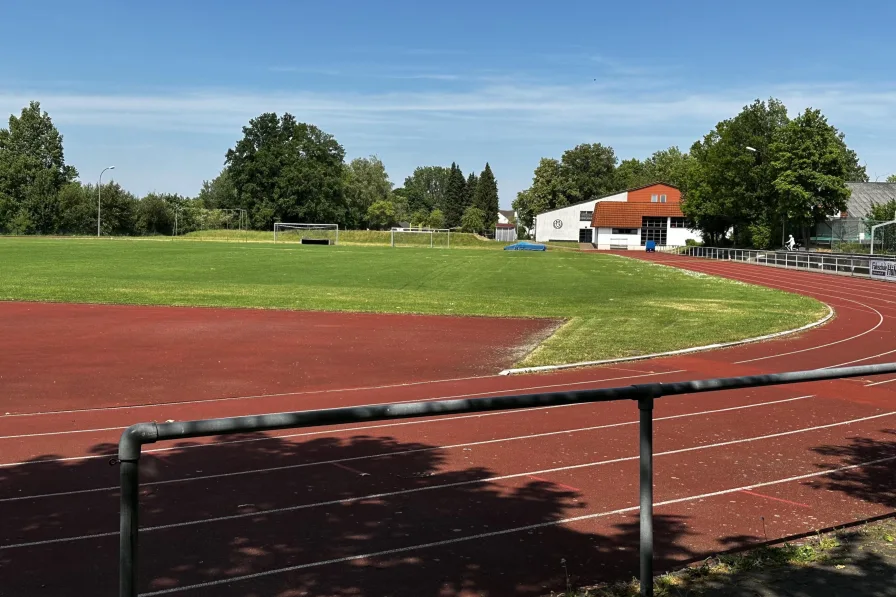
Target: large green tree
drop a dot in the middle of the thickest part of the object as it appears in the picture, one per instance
(671, 166)
(32, 172)
(219, 193)
(472, 184)
(426, 187)
(811, 165)
(366, 182)
(455, 196)
(632, 173)
(589, 170)
(549, 190)
(119, 208)
(486, 197)
(155, 214)
(730, 178)
(286, 170)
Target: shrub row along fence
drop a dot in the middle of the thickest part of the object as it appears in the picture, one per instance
(136, 436)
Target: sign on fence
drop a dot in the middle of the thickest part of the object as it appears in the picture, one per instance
(884, 270)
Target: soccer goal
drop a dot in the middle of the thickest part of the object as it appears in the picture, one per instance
(307, 234)
(883, 238)
(421, 237)
(211, 223)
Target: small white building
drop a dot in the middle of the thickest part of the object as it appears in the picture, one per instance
(625, 220)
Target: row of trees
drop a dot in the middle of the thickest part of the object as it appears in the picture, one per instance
(281, 170)
(592, 170)
(753, 176)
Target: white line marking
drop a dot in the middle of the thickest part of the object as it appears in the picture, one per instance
(97, 430)
(252, 397)
(332, 431)
(399, 453)
(488, 535)
(671, 353)
(377, 496)
(879, 383)
(784, 354)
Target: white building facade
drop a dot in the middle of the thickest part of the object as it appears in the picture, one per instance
(571, 223)
(621, 221)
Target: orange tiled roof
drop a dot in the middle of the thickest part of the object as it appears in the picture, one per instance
(616, 214)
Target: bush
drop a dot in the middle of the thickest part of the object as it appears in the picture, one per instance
(473, 220)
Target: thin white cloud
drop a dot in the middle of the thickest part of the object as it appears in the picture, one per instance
(508, 120)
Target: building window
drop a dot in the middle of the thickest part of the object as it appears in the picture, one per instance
(679, 223)
(625, 231)
(654, 229)
(662, 198)
(586, 235)
(654, 198)
(585, 216)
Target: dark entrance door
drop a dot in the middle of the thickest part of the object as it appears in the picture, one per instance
(586, 235)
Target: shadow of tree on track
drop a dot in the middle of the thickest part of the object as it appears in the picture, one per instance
(302, 516)
(874, 483)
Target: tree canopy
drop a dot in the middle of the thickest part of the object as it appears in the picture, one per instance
(288, 171)
(33, 172)
(485, 197)
(366, 182)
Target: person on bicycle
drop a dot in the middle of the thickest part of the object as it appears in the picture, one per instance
(790, 243)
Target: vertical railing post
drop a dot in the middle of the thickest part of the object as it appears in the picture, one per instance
(127, 549)
(645, 406)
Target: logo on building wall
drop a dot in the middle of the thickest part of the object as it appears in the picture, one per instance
(558, 224)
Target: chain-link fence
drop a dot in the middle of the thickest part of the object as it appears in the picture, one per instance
(853, 235)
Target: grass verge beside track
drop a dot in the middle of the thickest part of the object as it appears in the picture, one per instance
(614, 307)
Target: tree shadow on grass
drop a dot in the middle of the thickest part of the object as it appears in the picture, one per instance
(856, 568)
(363, 516)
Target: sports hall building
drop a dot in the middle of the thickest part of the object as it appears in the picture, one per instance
(626, 220)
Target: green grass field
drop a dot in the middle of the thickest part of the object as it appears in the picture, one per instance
(353, 237)
(613, 306)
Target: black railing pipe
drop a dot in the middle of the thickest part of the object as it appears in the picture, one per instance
(135, 436)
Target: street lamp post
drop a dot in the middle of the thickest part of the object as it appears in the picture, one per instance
(99, 195)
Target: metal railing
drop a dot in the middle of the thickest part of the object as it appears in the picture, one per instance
(831, 263)
(135, 436)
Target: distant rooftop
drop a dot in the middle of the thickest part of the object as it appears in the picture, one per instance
(866, 194)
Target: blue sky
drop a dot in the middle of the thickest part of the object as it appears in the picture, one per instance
(161, 89)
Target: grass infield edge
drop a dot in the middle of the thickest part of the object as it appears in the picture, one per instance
(544, 368)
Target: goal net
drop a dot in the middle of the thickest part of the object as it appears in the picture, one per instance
(323, 234)
(883, 238)
(421, 237)
(211, 223)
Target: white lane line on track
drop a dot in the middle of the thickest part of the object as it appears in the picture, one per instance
(880, 383)
(331, 391)
(251, 397)
(480, 536)
(378, 496)
(332, 431)
(403, 452)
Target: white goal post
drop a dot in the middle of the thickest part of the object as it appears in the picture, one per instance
(431, 232)
(310, 232)
(874, 231)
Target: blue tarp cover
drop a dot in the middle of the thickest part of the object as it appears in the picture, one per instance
(524, 246)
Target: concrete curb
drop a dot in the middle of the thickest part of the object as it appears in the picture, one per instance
(643, 357)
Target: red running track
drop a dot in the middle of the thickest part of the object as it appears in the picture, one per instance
(462, 505)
